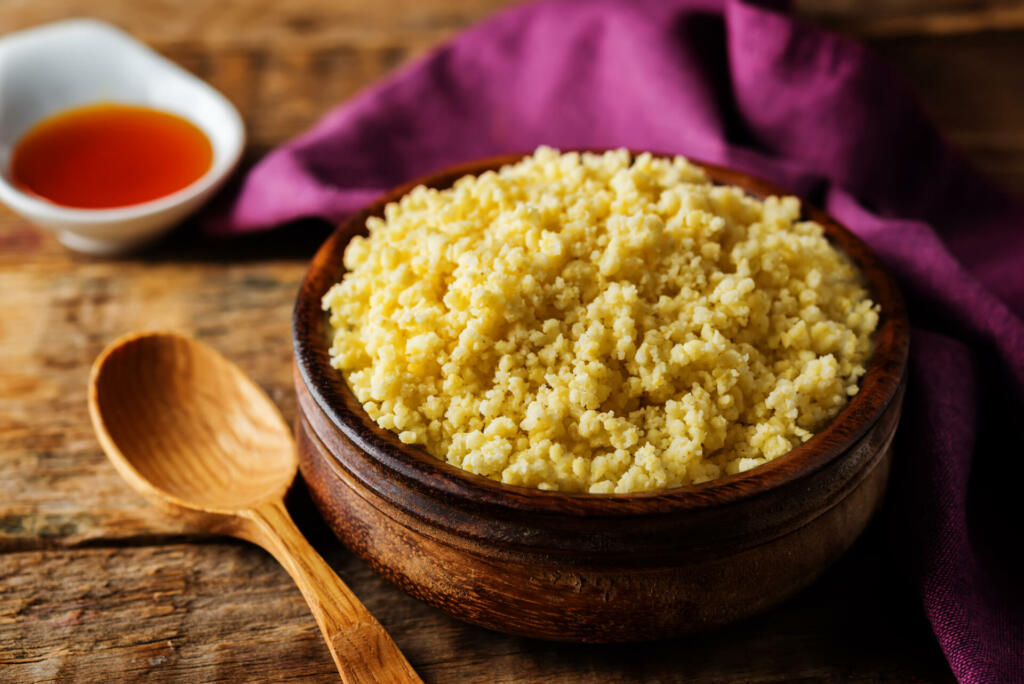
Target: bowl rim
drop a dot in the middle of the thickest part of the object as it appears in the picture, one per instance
(879, 386)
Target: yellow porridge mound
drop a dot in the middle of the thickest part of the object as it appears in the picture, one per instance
(598, 323)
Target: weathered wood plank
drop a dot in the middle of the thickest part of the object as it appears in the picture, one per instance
(226, 612)
(262, 24)
(59, 310)
(315, 24)
(202, 612)
(915, 17)
(285, 64)
(282, 64)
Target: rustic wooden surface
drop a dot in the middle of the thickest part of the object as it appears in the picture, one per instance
(95, 583)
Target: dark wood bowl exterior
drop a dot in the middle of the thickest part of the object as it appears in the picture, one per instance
(585, 567)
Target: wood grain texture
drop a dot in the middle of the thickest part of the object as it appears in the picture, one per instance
(187, 429)
(59, 496)
(155, 613)
(57, 313)
(252, 50)
(176, 613)
(283, 64)
(363, 651)
(193, 434)
(885, 18)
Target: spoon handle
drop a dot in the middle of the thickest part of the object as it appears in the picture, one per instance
(362, 650)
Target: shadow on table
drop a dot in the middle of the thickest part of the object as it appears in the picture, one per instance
(297, 240)
(860, 621)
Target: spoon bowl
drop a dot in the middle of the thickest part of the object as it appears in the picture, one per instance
(190, 431)
(155, 391)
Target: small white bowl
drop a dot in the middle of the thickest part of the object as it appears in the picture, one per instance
(72, 63)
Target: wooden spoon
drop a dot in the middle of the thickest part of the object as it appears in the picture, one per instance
(192, 433)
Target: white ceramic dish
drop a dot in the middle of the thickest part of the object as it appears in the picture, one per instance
(71, 63)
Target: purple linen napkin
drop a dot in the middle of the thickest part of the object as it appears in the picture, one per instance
(728, 82)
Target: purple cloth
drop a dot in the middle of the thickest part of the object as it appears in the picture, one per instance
(736, 84)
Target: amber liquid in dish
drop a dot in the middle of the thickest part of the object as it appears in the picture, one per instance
(110, 155)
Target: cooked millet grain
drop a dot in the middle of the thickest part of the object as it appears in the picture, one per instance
(596, 323)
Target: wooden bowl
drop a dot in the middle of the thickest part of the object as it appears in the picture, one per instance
(593, 567)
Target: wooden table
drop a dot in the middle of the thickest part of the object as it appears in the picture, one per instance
(96, 584)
